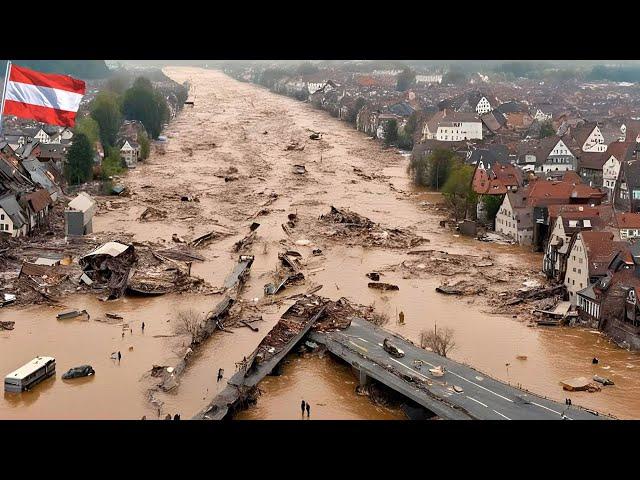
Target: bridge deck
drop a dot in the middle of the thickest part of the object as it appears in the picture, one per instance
(482, 397)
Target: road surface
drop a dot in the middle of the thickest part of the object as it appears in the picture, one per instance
(481, 397)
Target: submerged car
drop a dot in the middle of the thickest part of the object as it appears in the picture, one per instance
(77, 372)
(391, 349)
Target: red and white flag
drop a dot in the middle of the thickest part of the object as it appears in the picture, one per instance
(46, 97)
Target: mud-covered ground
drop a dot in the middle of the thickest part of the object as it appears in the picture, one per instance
(227, 166)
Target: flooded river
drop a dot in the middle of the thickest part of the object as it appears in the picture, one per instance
(240, 130)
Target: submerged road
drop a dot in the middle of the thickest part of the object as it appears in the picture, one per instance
(478, 396)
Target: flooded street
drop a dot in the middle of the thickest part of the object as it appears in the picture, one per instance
(240, 131)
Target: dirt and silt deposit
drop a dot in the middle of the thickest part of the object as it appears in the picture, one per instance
(229, 164)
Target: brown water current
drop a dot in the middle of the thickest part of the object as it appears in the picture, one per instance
(226, 128)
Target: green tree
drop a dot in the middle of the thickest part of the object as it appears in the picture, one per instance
(112, 163)
(105, 110)
(145, 145)
(433, 170)
(458, 192)
(390, 132)
(546, 129)
(405, 80)
(491, 204)
(143, 103)
(90, 128)
(405, 135)
(353, 114)
(79, 160)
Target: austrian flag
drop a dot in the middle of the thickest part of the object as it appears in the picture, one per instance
(45, 97)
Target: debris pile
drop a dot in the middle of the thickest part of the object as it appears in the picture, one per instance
(294, 145)
(110, 265)
(357, 229)
(151, 214)
(462, 287)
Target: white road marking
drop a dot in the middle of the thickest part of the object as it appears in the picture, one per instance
(477, 401)
(480, 386)
(360, 338)
(358, 346)
(547, 408)
(502, 415)
(409, 368)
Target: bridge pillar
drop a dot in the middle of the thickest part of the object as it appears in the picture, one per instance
(363, 378)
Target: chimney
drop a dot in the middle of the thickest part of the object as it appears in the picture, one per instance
(445, 113)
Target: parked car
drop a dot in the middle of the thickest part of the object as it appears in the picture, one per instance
(77, 372)
(391, 349)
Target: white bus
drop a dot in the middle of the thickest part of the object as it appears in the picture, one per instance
(29, 374)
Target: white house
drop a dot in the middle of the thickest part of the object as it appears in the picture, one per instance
(540, 116)
(428, 78)
(42, 136)
(589, 260)
(514, 220)
(628, 224)
(450, 126)
(483, 106)
(313, 87)
(130, 151)
(594, 142)
(610, 171)
(12, 217)
(555, 156)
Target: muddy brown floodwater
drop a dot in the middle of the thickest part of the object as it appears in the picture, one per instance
(225, 131)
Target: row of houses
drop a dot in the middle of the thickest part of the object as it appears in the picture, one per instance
(28, 189)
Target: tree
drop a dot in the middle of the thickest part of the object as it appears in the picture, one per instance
(79, 160)
(439, 341)
(491, 204)
(112, 163)
(190, 323)
(90, 128)
(405, 80)
(143, 103)
(546, 129)
(390, 132)
(405, 135)
(353, 114)
(145, 145)
(458, 192)
(432, 170)
(105, 110)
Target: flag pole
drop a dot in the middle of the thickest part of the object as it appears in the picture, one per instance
(4, 92)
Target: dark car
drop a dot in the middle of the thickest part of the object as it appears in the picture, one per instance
(77, 372)
(391, 349)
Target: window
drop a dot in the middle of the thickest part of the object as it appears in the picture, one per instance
(2, 216)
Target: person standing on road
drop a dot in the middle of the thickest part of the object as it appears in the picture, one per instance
(119, 356)
(308, 409)
(302, 406)
(220, 373)
(142, 327)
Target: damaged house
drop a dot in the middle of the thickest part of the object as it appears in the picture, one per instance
(13, 218)
(590, 255)
(109, 265)
(78, 216)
